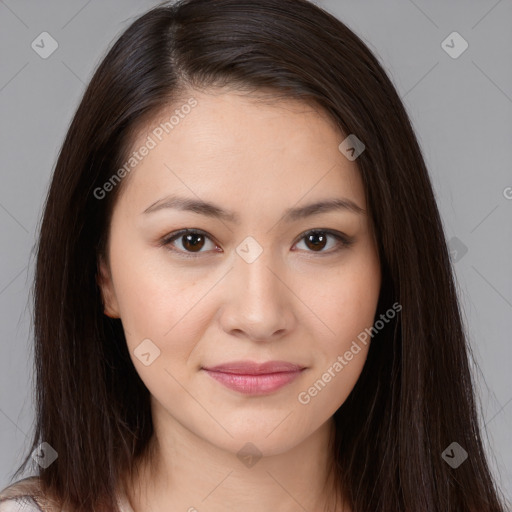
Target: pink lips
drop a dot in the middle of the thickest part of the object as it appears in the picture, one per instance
(253, 378)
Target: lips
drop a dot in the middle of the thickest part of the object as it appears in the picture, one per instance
(252, 378)
(251, 368)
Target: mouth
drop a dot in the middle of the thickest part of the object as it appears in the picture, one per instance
(251, 378)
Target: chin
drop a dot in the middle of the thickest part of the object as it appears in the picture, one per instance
(264, 437)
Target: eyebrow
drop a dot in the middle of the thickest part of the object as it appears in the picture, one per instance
(290, 215)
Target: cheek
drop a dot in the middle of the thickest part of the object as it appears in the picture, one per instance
(169, 316)
(327, 390)
(160, 305)
(344, 298)
(347, 306)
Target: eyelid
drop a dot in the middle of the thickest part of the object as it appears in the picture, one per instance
(337, 234)
(166, 241)
(344, 241)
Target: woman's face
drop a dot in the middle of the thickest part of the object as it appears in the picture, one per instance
(255, 285)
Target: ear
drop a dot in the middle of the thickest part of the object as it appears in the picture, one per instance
(106, 286)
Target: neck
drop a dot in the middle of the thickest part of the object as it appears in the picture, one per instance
(190, 474)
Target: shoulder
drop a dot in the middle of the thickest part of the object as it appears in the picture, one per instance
(27, 496)
(22, 496)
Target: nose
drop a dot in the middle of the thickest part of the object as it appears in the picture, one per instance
(257, 302)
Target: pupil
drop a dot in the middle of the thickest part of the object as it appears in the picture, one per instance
(317, 240)
(193, 241)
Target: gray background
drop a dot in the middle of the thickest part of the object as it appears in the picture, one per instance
(461, 109)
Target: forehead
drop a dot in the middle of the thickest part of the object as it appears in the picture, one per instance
(231, 146)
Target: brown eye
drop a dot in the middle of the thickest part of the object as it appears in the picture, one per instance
(187, 242)
(193, 242)
(316, 240)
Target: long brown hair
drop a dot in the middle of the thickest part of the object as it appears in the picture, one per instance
(415, 395)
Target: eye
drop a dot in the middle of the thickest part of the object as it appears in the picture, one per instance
(316, 240)
(191, 241)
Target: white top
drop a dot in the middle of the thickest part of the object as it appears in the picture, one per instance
(27, 504)
(122, 503)
(23, 502)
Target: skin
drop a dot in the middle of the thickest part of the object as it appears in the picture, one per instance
(296, 302)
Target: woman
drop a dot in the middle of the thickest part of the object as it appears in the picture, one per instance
(243, 294)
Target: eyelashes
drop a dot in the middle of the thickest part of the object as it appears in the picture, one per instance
(197, 239)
